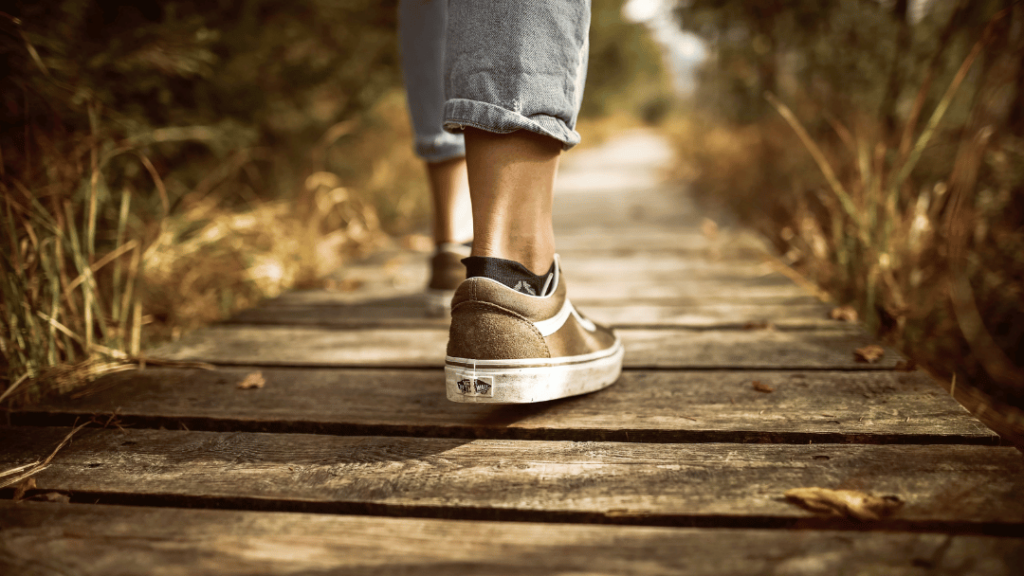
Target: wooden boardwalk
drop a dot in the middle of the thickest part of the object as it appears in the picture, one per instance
(349, 459)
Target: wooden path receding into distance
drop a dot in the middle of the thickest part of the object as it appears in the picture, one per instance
(349, 459)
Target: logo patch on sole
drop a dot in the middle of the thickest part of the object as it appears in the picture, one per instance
(475, 385)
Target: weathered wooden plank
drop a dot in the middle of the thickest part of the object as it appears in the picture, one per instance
(949, 488)
(349, 303)
(400, 314)
(627, 289)
(616, 171)
(347, 317)
(103, 540)
(874, 407)
(621, 208)
(411, 296)
(723, 316)
(667, 348)
(738, 286)
(584, 267)
(679, 275)
(644, 240)
(723, 349)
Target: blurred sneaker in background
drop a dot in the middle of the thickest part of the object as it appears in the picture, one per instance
(446, 274)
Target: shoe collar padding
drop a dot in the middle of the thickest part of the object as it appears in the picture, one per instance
(534, 308)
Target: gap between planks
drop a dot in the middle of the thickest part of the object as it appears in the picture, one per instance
(93, 539)
(656, 406)
(675, 349)
(356, 324)
(956, 489)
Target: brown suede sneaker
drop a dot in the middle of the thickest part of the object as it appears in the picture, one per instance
(508, 347)
(446, 273)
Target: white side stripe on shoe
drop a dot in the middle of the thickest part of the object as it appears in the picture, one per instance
(551, 325)
(587, 324)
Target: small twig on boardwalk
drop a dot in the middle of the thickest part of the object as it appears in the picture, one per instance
(12, 387)
(18, 469)
(787, 271)
(36, 467)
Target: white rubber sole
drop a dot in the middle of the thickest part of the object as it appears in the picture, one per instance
(532, 380)
(438, 302)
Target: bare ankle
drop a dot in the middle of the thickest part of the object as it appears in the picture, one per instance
(536, 256)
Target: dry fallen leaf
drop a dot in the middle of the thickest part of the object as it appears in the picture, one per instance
(758, 325)
(52, 497)
(343, 285)
(870, 353)
(254, 380)
(760, 387)
(24, 487)
(846, 503)
(709, 228)
(843, 314)
(905, 366)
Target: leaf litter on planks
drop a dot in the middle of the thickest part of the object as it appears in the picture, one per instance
(845, 503)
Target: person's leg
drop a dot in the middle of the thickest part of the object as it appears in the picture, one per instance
(449, 192)
(421, 28)
(511, 181)
(515, 72)
(453, 227)
(421, 35)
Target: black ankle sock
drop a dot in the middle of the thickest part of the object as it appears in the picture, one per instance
(508, 272)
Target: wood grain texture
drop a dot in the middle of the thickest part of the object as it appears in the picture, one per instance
(381, 314)
(873, 407)
(108, 540)
(675, 267)
(626, 289)
(409, 296)
(947, 488)
(767, 290)
(378, 298)
(720, 349)
(715, 316)
(397, 313)
(635, 239)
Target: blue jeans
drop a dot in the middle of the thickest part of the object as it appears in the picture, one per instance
(496, 65)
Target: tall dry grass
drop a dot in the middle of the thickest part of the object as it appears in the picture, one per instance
(91, 276)
(922, 233)
(165, 164)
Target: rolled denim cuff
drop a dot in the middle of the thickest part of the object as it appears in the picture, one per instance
(444, 146)
(460, 112)
(516, 65)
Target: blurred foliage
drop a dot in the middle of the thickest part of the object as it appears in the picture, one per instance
(882, 152)
(259, 73)
(626, 72)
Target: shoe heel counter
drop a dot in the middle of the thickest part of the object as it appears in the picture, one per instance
(484, 331)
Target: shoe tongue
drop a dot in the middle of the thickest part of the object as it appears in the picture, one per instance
(511, 274)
